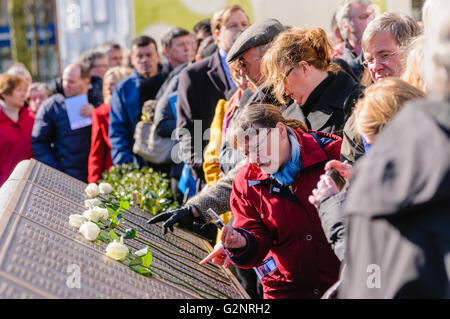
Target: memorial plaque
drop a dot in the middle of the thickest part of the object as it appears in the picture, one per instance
(42, 256)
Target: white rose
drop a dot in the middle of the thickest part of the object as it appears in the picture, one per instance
(92, 215)
(76, 220)
(142, 252)
(92, 190)
(90, 231)
(116, 250)
(105, 188)
(91, 203)
(102, 212)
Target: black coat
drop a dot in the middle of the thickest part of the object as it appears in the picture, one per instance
(201, 86)
(331, 103)
(398, 209)
(95, 92)
(354, 62)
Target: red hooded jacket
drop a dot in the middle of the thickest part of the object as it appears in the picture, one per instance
(287, 228)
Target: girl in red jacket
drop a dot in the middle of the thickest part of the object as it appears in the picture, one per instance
(275, 229)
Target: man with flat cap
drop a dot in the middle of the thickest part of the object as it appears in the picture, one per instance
(249, 47)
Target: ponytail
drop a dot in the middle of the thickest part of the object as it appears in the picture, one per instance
(295, 124)
(319, 43)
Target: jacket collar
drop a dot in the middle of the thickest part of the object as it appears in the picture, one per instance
(136, 78)
(332, 99)
(216, 73)
(311, 153)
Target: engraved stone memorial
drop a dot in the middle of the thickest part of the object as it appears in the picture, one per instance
(42, 256)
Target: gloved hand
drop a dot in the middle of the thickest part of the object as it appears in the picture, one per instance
(182, 215)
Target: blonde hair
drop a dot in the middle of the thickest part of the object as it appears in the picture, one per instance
(381, 102)
(120, 73)
(413, 73)
(290, 48)
(265, 115)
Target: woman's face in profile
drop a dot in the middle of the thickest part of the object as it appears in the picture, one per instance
(297, 85)
(17, 97)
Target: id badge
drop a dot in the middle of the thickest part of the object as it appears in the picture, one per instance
(265, 268)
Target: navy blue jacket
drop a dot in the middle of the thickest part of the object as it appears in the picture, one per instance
(56, 144)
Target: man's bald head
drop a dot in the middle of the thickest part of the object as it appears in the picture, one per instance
(76, 78)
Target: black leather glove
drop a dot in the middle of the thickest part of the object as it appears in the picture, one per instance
(182, 215)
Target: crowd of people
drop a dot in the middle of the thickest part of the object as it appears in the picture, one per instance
(327, 156)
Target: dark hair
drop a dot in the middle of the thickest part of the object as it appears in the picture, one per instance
(204, 25)
(89, 57)
(143, 41)
(173, 33)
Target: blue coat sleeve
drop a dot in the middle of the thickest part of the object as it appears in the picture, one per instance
(44, 132)
(119, 131)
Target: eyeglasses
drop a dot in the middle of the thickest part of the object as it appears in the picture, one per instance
(382, 58)
(260, 141)
(287, 73)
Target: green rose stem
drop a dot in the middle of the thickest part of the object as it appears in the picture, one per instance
(181, 279)
(179, 237)
(163, 239)
(146, 230)
(196, 261)
(168, 254)
(181, 271)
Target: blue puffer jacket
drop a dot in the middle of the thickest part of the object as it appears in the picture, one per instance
(55, 144)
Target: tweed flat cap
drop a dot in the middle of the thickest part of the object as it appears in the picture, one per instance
(255, 35)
